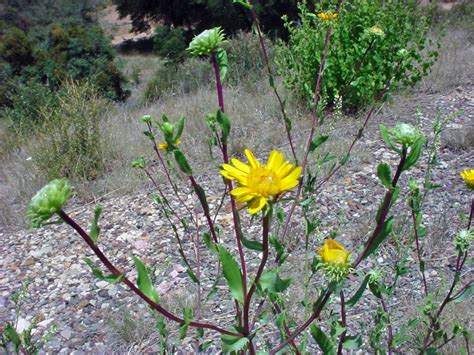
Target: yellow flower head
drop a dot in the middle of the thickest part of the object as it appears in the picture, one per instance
(468, 177)
(257, 183)
(164, 146)
(333, 253)
(327, 16)
(377, 30)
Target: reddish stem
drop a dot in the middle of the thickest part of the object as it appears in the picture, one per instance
(425, 285)
(287, 330)
(205, 207)
(271, 77)
(265, 233)
(343, 323)
(389, 325)
(106, 262)
(305, 325)
(384, 210)
(220, 95)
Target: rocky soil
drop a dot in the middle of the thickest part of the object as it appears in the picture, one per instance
(93, 316)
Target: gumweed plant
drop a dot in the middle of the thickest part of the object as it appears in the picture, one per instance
(276, 195)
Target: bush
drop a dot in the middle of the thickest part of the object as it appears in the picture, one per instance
(70, 141)
(26, 104)
(403, 39)
(176, 79)
(246, 65)
(170, 43)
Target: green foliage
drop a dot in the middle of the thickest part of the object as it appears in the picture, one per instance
(245, 65)
(78, 53)
(22, 341)
(23, 113)
(199, 15)
(170, 43)
(70, 141)
(356, 52)
(37, 62)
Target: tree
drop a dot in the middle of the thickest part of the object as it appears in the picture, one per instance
(197, 15)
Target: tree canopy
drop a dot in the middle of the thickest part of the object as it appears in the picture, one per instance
(197, 15)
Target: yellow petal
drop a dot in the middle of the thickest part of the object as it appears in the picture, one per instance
(284, 169)
(257, 204)
(332, 244)
(251, 158)
(239, 191)
(236, 173)
(293, 176)
(275, 160)
(241, 166)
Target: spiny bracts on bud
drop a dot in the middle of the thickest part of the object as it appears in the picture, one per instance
(48, 201)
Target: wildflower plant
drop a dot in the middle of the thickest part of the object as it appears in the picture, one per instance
(276, 196)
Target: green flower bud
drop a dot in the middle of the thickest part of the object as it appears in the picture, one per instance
(146, 119)
(402, 53)
(48, 201)
(405, 134)
(463, 240)
(167, 129)
(138, 163)
(206, 42)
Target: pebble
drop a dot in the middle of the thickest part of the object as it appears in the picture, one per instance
(67, 293)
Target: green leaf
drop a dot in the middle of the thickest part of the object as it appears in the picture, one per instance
(144, 282)
(209, 243)
(222, 62)
(231, 344)
(224, 122)
(323, 341)
(192, 275)
(414, 154)
(385, 175)
(182, 162)
(232, 273)
(98, 273)
(243, 3)
(386, 230)
(345, 159)
(179, 128)
(251, 244)
(11, 334)
(280, 250)
(466, 293)
(354, 299)
(271, 281)
(188, 317)
(386, 138)
(352, 342)
(317, 142)
(204, 346)
(95, 229)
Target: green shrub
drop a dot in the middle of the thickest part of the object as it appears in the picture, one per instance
(76, 52)
(180, 78)
(170, 43)
(245, 58)
(243, 53)
(27, 102)
(69, 139)
(403, 40)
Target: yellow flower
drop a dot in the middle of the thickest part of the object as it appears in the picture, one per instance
(327, 16)
(257, 183)
(377, 30)
(164, 146)
(334, 253)
(468, 177)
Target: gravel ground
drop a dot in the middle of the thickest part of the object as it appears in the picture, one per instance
(95, 317)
